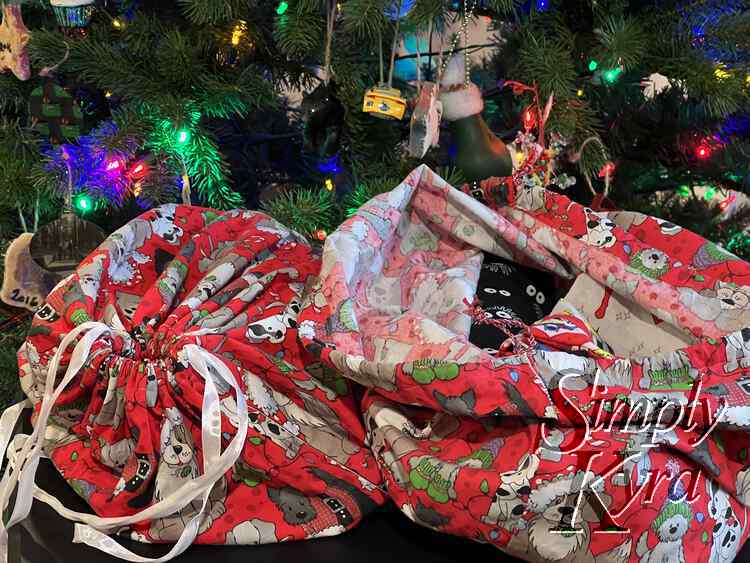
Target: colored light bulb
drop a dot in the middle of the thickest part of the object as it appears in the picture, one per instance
(116, 23)
(83, 203)
(329, 184)
(703, 152)
(579, 93)
(282, 7)
(238, 31)
(113, 164)
(183, 136)
(593, 65)
(611, 75)
(683, 191)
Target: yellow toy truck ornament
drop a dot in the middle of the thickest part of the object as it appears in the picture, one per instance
(384, 102)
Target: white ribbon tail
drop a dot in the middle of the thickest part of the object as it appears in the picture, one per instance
(91, 529)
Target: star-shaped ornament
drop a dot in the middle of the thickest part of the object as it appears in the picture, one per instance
(14, 37)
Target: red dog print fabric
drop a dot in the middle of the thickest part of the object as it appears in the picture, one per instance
(194, 382)
(553, 449)
(195, 415)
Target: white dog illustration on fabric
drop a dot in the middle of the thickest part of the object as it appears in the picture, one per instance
(123, 244)
(252, 532)
(599, 230)
(670, 526)
(727, 533)
(507, 504)
(178, 465)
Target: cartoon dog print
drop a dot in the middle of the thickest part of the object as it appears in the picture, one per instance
(128, 303)
(737, 350)
(178, 465)
(670, 526)
(90, 275)
(727, 304)
(116, 455)
(124, 244)
(163, 225)
(598, 230)
(727, 533)
(507, 504)
(339, 506)
(319, 426)
(284, 435)
(178, 462)
(552, 504)
(273, 328)
(252, 532)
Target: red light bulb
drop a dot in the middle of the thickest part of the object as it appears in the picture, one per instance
(138, 170)
(607, 170)
(529, 120)
(703, 152)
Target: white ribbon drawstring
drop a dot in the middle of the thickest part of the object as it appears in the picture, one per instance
(93, 529)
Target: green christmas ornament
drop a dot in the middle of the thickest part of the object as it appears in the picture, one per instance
(55, 113)
(479, 153)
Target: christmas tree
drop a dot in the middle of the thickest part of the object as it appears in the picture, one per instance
(308, 108)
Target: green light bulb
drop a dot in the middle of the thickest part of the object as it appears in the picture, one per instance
(282, 7)
(710, 193)
(183, 136)
(683, 190)
(611, 75)
(593, 65)
(83, 203)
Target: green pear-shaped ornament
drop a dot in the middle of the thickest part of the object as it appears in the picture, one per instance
(479, 153)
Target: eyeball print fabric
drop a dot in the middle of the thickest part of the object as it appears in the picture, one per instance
(129, 431)
(528, 448)
(509, 292)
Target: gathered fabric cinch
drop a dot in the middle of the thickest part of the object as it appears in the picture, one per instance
(554, 445)
(186, 410)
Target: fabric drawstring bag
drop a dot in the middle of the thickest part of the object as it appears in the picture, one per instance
(169, 389)
(528, 448)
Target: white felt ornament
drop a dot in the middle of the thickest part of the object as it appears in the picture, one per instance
(424, 131)
(25, 283)
(14, 38)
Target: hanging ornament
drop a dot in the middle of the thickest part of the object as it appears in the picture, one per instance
(14, 38)
(25, 283)
(73, 16)
(55, 113)
(479, 153)
(323, 113)
(323, 118)
(384, 100)
(60, 246)
(424, 129)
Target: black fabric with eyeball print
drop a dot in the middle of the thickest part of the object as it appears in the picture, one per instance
(510, 291)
